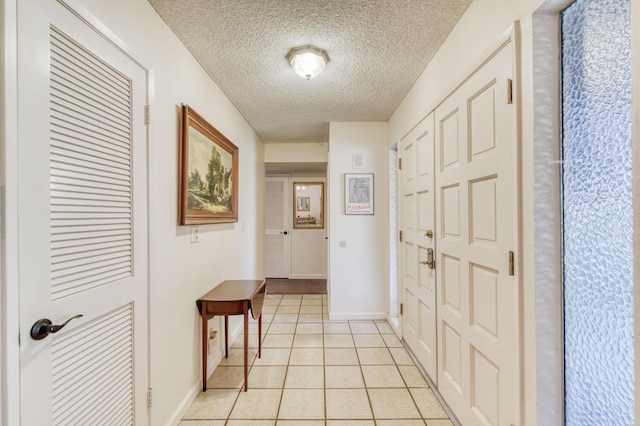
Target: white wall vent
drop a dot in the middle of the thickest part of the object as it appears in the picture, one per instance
(358, 161)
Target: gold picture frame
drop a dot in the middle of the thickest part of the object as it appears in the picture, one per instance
(308, 209)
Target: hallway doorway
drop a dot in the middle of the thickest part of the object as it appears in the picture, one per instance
(292, 250)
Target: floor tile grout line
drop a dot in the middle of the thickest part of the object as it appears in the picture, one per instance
(284, 381)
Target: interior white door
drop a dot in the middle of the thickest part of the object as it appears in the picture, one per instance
(418, 262)
(83, 223)
(476, 181)
(277, 249)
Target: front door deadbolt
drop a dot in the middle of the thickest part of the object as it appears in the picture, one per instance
(429, 262)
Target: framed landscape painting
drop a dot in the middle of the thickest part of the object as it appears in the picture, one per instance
(208, 173)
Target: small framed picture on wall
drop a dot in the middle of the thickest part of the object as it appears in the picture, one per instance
(358, 193)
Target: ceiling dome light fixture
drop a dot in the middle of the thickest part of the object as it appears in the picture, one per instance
(308, 61)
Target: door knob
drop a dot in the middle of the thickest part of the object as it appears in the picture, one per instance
(43, 327)
(284, 233)
(429, 233)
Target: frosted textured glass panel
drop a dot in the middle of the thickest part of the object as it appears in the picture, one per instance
(597, 209)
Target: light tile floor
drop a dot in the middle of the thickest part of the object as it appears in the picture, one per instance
(317, 372)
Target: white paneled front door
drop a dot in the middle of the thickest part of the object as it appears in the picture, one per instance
(83, 223)
(277, 239)
(476, 230)
(418, 223)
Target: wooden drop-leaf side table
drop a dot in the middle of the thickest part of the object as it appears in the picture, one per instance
(233, 297)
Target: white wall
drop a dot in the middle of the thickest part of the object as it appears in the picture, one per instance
(359, 271)
(181, 272)
(296, 152)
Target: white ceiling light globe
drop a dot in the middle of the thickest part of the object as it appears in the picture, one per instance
(308, 61)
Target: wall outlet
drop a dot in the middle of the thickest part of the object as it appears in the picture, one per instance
(213, 341)
(194, 234)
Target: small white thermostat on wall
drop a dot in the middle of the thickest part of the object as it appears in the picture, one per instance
(358, 161)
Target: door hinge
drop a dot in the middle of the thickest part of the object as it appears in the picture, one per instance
(511, 264)
(401, 309)
(509, 91)
(149, 397)
(147, 114)
(400, 236)
(400, 163)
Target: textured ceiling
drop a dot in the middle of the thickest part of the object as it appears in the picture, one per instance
(377, 49)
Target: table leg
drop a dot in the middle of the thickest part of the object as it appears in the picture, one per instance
(260, 336)
(205, 344)
(246, 344)
(226, 336)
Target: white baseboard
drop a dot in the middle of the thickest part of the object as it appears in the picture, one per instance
(357, 316)
(394, 323)
(184, 405)
(195, 389)
(214, 359)
(307, 276)
(211, 366)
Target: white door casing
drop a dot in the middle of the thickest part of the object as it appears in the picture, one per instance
(418, 222)
(476, 229)
(277, 227)
(82, 231)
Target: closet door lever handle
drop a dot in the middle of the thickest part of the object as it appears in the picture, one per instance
(43, 327)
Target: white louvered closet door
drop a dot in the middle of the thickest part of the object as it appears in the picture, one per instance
(83, 223)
